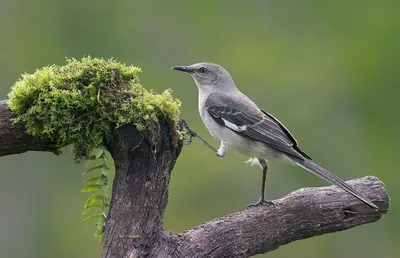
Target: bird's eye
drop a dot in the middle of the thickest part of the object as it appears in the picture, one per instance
(203, 70)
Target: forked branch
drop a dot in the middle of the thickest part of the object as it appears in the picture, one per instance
(140, 195)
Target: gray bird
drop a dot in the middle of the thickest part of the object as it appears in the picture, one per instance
(238, 123)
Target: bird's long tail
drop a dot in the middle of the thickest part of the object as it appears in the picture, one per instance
(331, 178)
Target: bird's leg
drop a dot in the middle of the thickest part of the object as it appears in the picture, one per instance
(222, 150)
(262, 200)
(192, 133)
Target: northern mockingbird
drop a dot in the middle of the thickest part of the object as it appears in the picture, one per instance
(238, 123)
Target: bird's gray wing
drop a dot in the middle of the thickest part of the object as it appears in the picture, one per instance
(251, 122)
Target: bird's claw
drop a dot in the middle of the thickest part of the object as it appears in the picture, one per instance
(190, 133)
(189, 138)
(260, 202)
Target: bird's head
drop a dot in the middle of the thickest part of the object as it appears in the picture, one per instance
(208, 76)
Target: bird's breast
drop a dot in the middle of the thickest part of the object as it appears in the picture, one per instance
(213, 127)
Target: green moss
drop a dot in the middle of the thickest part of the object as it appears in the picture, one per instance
(81, 103)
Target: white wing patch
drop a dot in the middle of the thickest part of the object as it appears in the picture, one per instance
(234, 127)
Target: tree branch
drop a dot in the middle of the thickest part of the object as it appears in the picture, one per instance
(140, 195)
(14, 140)
(302, 214)
(140, 191)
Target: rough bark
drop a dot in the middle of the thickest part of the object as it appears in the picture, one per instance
(302, 214)
(14, 140)
(140, 194)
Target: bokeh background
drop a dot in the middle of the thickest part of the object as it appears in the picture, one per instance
(328, 69)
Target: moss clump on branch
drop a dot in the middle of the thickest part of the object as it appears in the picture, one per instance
(81, 103)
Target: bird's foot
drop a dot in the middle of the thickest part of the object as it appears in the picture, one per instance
(191, 134)
(189, 138)
(260, 202)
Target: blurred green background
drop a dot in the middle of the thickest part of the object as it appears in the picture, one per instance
(328, 69)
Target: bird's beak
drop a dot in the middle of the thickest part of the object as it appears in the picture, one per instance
(181, 68)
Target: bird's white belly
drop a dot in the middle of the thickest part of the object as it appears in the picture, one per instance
(213, 127)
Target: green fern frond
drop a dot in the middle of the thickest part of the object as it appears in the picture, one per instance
(98, 184)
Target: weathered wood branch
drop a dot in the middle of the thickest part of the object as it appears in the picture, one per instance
(302, 214)
(140, 195)
(14, 140)
(134, 227)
